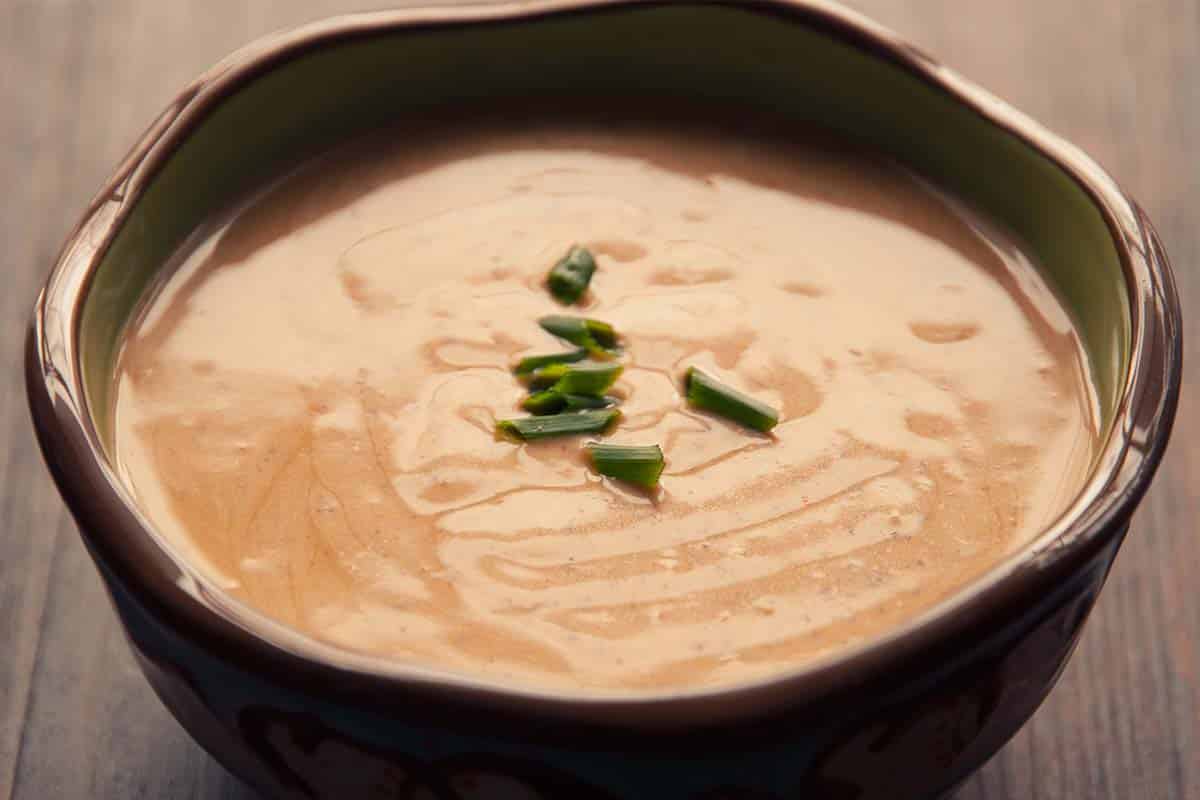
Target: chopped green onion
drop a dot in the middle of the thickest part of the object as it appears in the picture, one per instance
(592, 379)
(640, 465)
(530, 363)
(545, 377)
(708, 394)
(583, 402)
(569, 278)
(531, 428)
(552, 401)
(546, 402)
(596, 336)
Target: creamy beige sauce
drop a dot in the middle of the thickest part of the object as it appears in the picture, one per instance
(307, 407)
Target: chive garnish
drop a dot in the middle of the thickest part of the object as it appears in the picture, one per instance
(530, 363)
(546, 402)
(590, 379)
(583, 402)
(595, 336)
(639, 465)
(528, 429)
(545, 377)
(552, 401)
(708, 394)
(569, 278)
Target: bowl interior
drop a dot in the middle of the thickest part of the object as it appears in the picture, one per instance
(311, 97)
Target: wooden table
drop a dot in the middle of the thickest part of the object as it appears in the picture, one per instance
(78, 81)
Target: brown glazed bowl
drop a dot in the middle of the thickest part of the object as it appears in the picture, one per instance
(907, 715)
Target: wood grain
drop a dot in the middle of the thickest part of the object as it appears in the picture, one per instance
(79, 79)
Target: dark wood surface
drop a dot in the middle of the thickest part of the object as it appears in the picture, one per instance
(79, 79)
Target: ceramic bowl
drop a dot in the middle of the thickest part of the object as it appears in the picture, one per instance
(909, 714)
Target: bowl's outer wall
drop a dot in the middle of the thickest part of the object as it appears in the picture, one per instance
(907, 739)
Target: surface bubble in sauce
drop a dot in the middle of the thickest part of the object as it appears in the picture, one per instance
(802, 288)
(944, 332)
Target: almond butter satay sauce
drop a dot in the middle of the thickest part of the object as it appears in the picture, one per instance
(306, 409)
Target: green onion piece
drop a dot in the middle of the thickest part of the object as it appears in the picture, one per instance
(545, 377)
(542, 403)
(552, 401)
(530, 363)
(593, 379)
(708, 394)
(596, 336)
(639, 465)
(528, 429)
(583, 402)
(569, 278)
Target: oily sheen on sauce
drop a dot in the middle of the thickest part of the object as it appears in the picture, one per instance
(306, 408)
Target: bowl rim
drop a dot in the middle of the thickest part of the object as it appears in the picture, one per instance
(122, 540)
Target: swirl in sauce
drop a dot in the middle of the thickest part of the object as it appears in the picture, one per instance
(306, 408)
